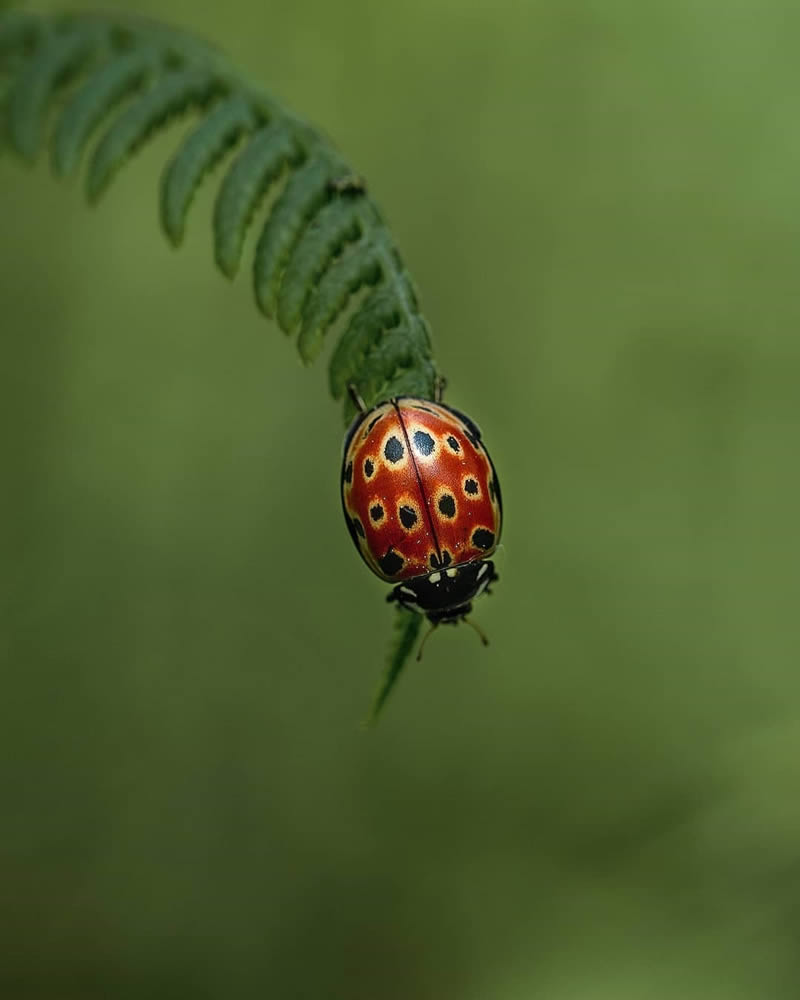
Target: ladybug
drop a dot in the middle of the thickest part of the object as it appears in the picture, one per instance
(422, 503)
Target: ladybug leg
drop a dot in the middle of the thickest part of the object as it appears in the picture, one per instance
(438, 388)
(355, 395)
(481, 634)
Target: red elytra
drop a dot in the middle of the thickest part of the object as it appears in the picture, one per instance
(422, 503)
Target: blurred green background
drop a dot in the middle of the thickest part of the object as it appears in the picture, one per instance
(600, 203)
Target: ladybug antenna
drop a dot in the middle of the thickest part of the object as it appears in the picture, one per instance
(481, 634)
(438, 388)
(425, 638)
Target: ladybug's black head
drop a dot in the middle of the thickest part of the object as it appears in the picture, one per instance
(445, 595)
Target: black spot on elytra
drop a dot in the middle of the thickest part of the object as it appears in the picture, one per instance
(438, 563)
(453, 443)
(393, 449)
(348, 473)
(473, 439)
(492, 489)
(376, 512)
(369, 468)
(391, 563)
(407, 515)
(423, 442)
(447, 505)
(374, 421)
(426, 409)
(468, 424)
(358, 526)
(482, 538)
(471, 487)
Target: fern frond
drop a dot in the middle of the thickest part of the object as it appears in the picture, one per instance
(322, 240)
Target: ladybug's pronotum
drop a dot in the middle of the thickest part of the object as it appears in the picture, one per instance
(422, 502)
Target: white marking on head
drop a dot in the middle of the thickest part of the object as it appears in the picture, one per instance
(481, 587)
(409, 591)
(434, 577)
(482, 570)
(452, 572)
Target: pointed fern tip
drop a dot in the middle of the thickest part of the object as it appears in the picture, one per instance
(406, 630)
(175, 235)
(228, 267)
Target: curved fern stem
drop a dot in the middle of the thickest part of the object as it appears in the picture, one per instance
(70, 77)
(322, 240)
